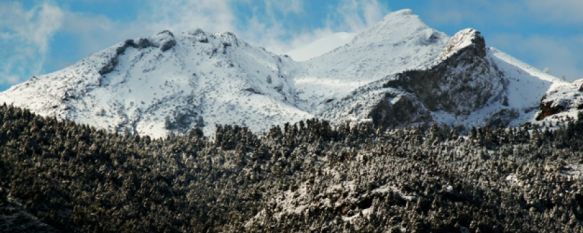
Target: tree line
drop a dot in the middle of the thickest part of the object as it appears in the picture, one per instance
(58, 176)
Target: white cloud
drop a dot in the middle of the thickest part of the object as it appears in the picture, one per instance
(25, 38)
(34, 25)
(561, 56)
(325, 43)
(284, 6)
(356, 15)
(563, 11)
(184, 15)
(94, 32)
(351, 17)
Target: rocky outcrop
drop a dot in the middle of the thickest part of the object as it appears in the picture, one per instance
(468, 40)
(165, 44)
(550, 108)
(398, 111)
(462, 83)
(561, 101)
(169, 43)
(447, 88)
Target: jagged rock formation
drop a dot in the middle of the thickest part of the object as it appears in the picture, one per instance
(464, 82)
(468, 85)
(398, 73)
(563, 102)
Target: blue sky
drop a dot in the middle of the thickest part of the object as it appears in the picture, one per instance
(40, 36)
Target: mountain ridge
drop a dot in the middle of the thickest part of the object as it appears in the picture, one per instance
(399, 72)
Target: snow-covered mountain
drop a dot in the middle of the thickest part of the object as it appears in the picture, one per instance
(397, 73)
(168, 83)
(466, 84)
(401, 41)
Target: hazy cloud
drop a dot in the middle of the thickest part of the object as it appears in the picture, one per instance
(25, 39)
(514, 22)
(356, 15)
(284, 6)
(563, 11)
(559, 55)
(184, 15)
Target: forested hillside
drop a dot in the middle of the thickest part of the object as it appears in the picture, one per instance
(62, 177)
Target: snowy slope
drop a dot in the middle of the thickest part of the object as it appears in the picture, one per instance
(321, 46)
(467, 84)
(201, 80)
(401, 41)
(526, 85)
(398, 73)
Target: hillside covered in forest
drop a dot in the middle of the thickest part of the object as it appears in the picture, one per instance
(308, 177)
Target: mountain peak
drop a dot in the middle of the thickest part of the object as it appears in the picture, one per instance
(462, 40)
(404, 14)
(396, 27)
(405, 11)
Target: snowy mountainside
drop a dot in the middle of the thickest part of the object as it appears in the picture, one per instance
(462, 82)
(320, 46)
(168, 83)
(468, 84)
(401, 41)
(398, 73)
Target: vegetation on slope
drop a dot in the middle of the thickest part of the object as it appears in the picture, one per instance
(59, 176)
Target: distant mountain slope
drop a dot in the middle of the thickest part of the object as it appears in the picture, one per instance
(401, 41)
(168, 83)
(398, 73)
(468, 84)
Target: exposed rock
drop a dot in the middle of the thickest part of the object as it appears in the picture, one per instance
(467, 40)
(166, 32)
(253, 91)
(114, 60)
(109, 66)
(168, 45)
(563, 99)
(463, 83)
(182, 120)
(548, 109)
(398, 111)
(502, 118)
(144, 43)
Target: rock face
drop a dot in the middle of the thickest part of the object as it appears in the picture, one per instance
(398, 73)
(461, 84)
(562, 102)
(468, 85)
(399, 111)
